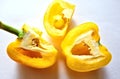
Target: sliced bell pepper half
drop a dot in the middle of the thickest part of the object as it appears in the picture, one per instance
(83, 50)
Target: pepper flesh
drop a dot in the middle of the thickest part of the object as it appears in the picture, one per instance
(57, 18)
(32, 50)
(84, 52)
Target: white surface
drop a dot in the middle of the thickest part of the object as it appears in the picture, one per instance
(106, 13)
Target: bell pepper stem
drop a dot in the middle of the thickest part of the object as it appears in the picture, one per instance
(99, 42)
(12, 30)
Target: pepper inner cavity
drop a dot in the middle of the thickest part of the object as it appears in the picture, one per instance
(81, 49)
(58, 21)
(61, 19)
(29, 53)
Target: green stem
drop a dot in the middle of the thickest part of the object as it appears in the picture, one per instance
(99, 42)
(12, 30)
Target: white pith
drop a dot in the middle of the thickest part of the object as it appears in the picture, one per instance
(29, 44)
(93, 45)
(67, 13)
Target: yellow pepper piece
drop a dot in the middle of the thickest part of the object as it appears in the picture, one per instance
(57, 18)
(82, 48)
(32, 50)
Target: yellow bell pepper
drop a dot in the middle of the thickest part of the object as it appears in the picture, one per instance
(30, 48)
(83, 50)
(57, 18)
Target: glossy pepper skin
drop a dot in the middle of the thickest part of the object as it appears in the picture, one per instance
(57, 18)
(30, 48)
(82, 48)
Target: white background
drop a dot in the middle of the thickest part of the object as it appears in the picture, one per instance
(105, 13)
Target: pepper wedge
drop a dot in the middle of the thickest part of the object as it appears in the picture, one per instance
(30, 48)
(82, 48)
(57, 18)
